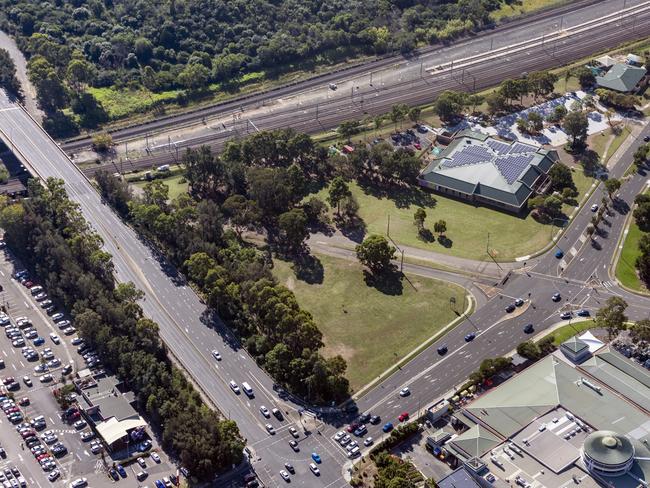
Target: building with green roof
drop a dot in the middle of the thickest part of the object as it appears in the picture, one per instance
(484, 170)
(622, 77)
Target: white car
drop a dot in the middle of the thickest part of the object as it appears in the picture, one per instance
(368, 441)
(155, 457)
(216, 355)
(54, 475)
(79, 424)
(46, 378)
(142, 462)
(265, 411)
(285, 475)
(55, 338)
(270, 429)
(314, 469)
(345, 440)
(234, 387)
(404, 392)
(594, 207)
(78, 483)
(339, 435)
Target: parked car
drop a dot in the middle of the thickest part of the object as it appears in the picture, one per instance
(403, 417)
(566, 315)
(387, 427)
(582, 313)
(316, 458)
(510, 308)
(368, 441)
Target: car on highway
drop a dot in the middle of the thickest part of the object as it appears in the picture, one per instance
(294, 432)
(294, 445)
(528, 328)
(442, 350)
(594, 207)
(368, 441)
(285, 476)
(404, 392)
(387, 427)
(519, 302)
(270, 429)
(582, 313)
(556, 297)
(234, 387)
(316, 457)
(470, 337)
(566, 315)
(265, 411)
(216, 355)
(290, 468)
(510, 308)
(375, 419)
(403, 417)
(314, 469)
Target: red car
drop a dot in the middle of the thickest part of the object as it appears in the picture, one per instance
(8, 380)
(28, 284)
(403, 416)
(352, 427)
(42, 456)
(29, 433)
(417, 146)
(12, 410)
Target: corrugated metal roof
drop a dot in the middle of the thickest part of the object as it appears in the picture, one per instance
(621, 77)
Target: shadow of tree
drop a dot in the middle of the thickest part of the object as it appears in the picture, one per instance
(402, 195)
(389, 282)
(589, 160)
(426, 235)
(308, 268)
(620, 205)
(445, 241)
(353, 228)
(596, 245)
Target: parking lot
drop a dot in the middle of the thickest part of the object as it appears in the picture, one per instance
(39, 353)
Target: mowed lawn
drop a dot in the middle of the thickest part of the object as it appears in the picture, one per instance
(468, 226)
(370, 329)
(625, 270)
(176, 184)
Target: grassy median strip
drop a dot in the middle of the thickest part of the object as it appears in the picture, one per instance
(372, 327)
(625, 269)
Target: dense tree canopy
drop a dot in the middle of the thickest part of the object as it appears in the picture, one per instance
(164, 44)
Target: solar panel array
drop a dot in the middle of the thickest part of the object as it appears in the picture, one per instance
(518, 147)
(510, 160)
(498, 147)
(469, 155)
(511, 166)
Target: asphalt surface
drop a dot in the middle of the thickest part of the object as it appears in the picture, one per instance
(487, 62)
(191, 335)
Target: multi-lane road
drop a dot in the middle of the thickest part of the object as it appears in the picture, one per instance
(192, 334)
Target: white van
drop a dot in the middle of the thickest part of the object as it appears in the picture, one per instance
(247, 389)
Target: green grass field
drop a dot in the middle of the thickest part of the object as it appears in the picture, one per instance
(176, 186)
(567, 331)
(625, 270)
(599, 143)
(467, 226)
(372, 330)
(515, 9)
(122, 103)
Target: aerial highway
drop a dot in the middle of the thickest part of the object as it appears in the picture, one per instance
(474, 64)
(191, 334)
